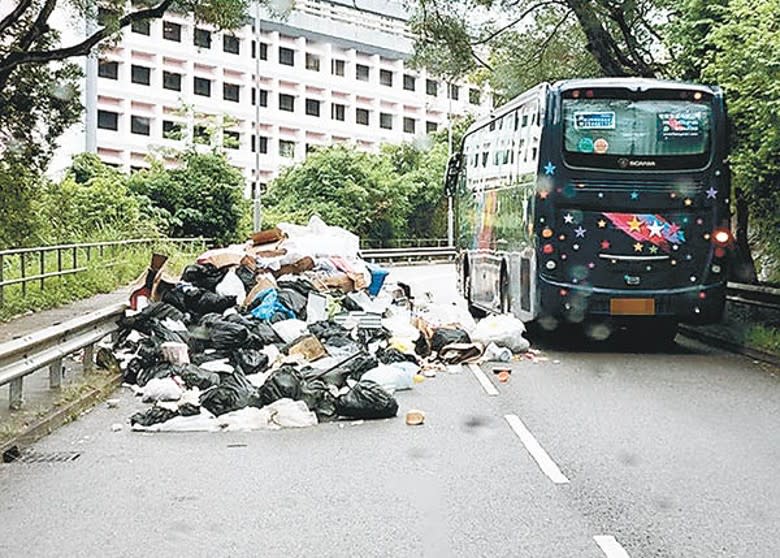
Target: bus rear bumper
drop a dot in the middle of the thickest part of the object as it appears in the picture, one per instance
(701, 304)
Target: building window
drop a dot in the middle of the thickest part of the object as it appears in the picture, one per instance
(202, 38)
(474, 96)
(140, 125)
(286, 56)
(409, 82)
(263, 51)
(263, 97)
(431, 127)
(202, 86)
(337, 67)
(409, 125)
(108, 70)
(312, 107)
(386, 77)
(254, 49)
(172, 130)
(171, 31)
(453, 91)
(287, 149)
(361, 72)
(231, 44)
(108, 120)
(231, 140)
(140, 74)
(141, 27)
(338, 112)
(386, 120)
(231, 92)
(286, 102)
(200, 134)
(361, 116)
(431, 87)
(172, 81)
(262, 144)
(312, 62)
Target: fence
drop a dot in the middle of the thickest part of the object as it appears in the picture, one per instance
(373, 243)
(20, 267)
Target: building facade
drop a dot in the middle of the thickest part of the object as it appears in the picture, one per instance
(271, 91)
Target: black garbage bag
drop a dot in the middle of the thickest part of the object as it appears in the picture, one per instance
(201, 301)
(266, 334)
(175, 297)
(390, 355)
(200, 358)
(250, 361)
(326, 330)
(247, 277)
(134, 367)
(204, 276)
(153, 312)
(153, 415)
(367, 400)
(445, 336)
(293, 300)
(159, 370)
(422, 347)
(189, 409)
(301, 285)
(194, 376)
(284, 382)
(162, 334)
(354, 367)
(234, 392)
(319, 398)
(227, 335)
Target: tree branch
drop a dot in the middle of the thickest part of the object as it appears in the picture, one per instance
(543, 47)
(83, 48)
(39, 26)
(515, 21)
(15, 14)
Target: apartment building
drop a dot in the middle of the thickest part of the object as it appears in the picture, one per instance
(272, 90)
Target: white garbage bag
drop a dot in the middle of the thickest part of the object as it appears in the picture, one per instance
(289, 330)
(504, 330)
(161, 389)
(231, 285)
(393, 377)
(319, 239)
(494, 353)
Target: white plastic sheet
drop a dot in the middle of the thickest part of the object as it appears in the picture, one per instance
(319, 239)
(393, 377)
(231, 285)
(161, 389)
(289, 330)
(504, 330)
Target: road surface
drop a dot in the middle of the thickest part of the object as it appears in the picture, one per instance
(590, 453)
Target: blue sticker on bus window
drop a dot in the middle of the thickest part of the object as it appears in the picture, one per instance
(585, 145)
(594, 120)
(673, 125)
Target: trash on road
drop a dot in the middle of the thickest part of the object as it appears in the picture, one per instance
(289, 330)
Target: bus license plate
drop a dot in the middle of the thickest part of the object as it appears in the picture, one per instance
(632, 306)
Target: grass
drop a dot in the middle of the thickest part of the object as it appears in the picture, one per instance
(763, 337)
(105, 272)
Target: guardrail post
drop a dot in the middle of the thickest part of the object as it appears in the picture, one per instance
(75, 257)
(59, 260)
(55, 374)
(42, 266)
(89, 358)
(2, 295)
(24, 274)
(15, 394)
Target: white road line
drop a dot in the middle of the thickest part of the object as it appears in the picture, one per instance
(487, 385)
(610, 546)
(546, 464)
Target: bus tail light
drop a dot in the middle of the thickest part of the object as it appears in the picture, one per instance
(721, 237)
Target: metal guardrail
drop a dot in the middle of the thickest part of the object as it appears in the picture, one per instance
(47, 347)
(408, 254)
(375, 244)
(754, 295)
(21, 266)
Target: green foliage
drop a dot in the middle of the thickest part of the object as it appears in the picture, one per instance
(202, 197)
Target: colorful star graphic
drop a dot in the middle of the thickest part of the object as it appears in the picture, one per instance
(605, 244)
(711, 193)
(638, 246)
(602, 223)
(634, 224)
(543, 194)
(655, 228)
(688, 201)
(549, 168)
(591, 265)
(653, 249)
(634, 195)
(580, 232)
(568, 218)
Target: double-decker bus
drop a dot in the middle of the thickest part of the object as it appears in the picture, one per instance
(596, 199)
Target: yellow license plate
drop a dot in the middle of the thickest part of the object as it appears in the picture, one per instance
(632, 306)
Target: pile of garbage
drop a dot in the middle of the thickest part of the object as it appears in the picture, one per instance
(290, 329)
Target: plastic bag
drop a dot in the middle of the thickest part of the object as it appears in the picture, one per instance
(161, 389)
(200, 301)
(293, 300)
(193, 376)
(367, 400)
(153, 415)
(316, 308)
(395, 377)
(142, 320)
(284, 382)
(266, 304)
(446, 336)
(160, 370)
(227, 335)
(390, 355)
(231, 285)
(495, 353)
(289, 330)
(327, 330)
(250, 361)
(204, 276)
(318, 398)
(504, 330)
(234, 392)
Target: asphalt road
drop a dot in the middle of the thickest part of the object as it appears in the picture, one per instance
(661, 454)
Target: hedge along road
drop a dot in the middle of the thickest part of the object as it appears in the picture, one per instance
(663, 454)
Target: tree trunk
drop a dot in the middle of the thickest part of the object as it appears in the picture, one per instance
(744, 268)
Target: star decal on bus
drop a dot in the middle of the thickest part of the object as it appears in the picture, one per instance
(654, 229)
(568, 218)
(580, 232)
(549, 168)
(711, 193)
(638, 246)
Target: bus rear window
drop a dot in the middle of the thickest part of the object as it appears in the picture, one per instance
(638, 128)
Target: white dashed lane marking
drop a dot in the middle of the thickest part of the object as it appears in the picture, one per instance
(486, 384)
(610, 546)
(545, 462)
